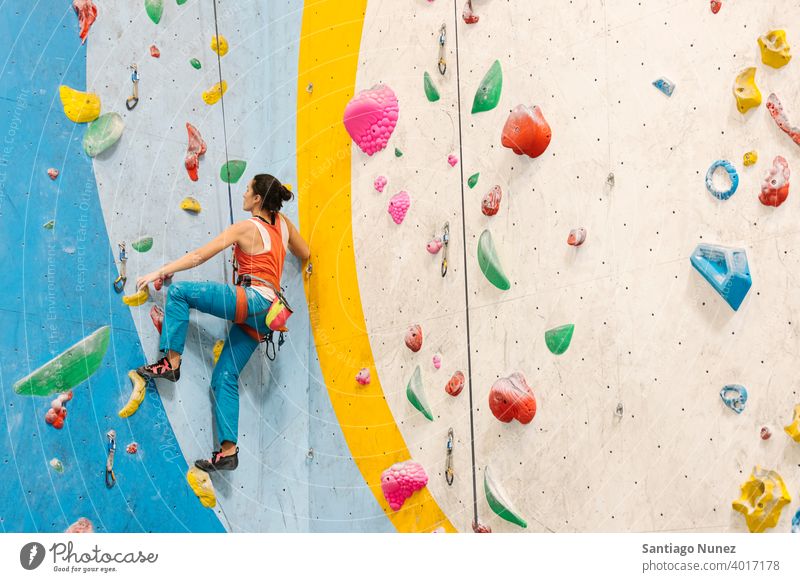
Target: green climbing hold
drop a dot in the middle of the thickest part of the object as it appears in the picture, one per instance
(235, 169)
(181, 2)
(143, 244)
(69, 368)
(490, 263)
(195, 63)
(488, 95)
(102, 133)
(559, 338)
(416, 394)
(155, 8)
(398, 153)
(473, 180)
(49, 224)
(430, 89)
(498, 500)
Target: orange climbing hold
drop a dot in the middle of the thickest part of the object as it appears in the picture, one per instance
(87, 14)
(526, 131)
(511, 398)
(196, 148)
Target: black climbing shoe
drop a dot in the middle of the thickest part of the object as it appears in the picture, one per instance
(161, 369)
(218, 462)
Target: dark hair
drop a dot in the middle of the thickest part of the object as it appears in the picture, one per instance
(273, 193)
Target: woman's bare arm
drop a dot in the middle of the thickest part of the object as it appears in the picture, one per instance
(297, 245)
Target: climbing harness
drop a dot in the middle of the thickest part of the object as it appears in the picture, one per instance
(442, 40)
(112, 447)
(448, 465)
(119, 282)
(446, 244)
(133, 100)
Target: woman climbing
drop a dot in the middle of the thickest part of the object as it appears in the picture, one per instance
(259, 249)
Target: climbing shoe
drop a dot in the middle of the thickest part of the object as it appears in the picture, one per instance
(219, 463)
(161, 369)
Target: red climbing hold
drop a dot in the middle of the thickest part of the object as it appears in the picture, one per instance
(197, 147)
(716, 5)
(577, 236)
(456, 384)
(132, 448)
(491, 201)
(480, 528)
(526, 131)
(154, 52)
(53, 173)
(511, 398)
(87, 14)
(81, 526)
(157, 315)
(414, 338)
(468, 15)
(775, 187)
(58, 412)
(776, 111)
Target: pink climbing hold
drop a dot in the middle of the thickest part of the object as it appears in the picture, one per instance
(414, 338)
(399, 205)
(196, 148)
(81, 526)
(456, 384)
(58, 411)
(157, 315)
(161, 281)
(452, 160)
(363, 376)
(401, 481)
(380, 183)
(437, 361)
(132, 448)
(435, 245)
(715, 6)
(370, 118)
(154, 52)
(53, 173)
(775, 187)
(480, 528)
(526, 131)
(468, 15)
(87, 14)
(765, 433)
(577, 236)
(511, 398)
(491, 201)
(776, 111)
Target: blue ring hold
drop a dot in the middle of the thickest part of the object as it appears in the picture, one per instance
(732, 174)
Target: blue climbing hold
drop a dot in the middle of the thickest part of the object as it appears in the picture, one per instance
(725, 269)
(734, 396)
(732, 174)
(664, 85)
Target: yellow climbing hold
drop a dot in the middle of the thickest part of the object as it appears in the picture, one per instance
(750, 158)
(763, 497)
(79, 107)
(201, 484)
(219, 46)
(215, 93)
(288, 187)
(775, 51)
(136, 299)
(190, 204)
(793, 430)
(218, 350)
(745, 90)
(137, 395)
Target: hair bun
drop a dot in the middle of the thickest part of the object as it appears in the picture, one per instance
(286, 193)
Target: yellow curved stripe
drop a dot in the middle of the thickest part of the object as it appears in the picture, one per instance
(329, 49)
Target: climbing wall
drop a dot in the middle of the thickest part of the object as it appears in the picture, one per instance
(631, 433)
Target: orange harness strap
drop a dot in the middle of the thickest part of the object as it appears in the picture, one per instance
(240, 316)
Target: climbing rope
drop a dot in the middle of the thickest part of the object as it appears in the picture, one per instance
(466, 271)
(224, 125)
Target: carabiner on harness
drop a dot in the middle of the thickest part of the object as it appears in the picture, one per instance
(448, 465)
(119, 282)
(270, 343)
(442, 40)
(446, 243)
(133, 100)
(112, 447)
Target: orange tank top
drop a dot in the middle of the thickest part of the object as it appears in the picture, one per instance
(268, 264)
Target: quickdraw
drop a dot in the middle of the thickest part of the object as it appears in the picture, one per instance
(119, 282)
(112, 447)
(446, 243)
(442, 40)
(133, 100)
(448, 465)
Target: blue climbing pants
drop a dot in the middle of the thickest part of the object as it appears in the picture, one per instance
(219, 300)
